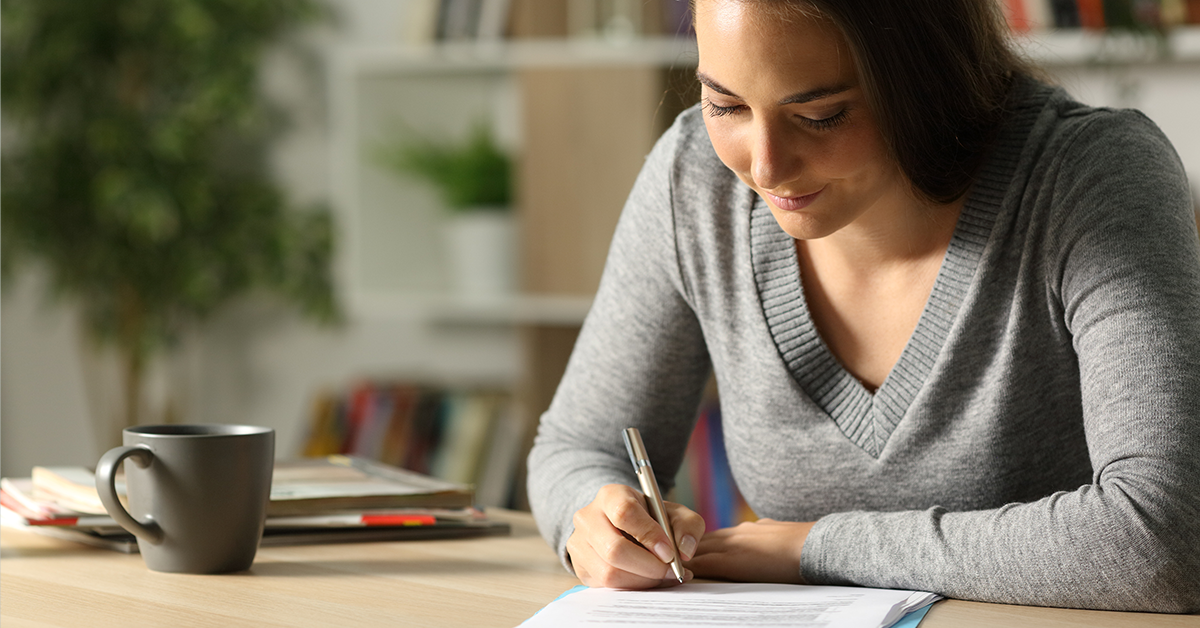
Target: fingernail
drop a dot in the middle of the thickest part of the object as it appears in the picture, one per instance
(663, 551)
(687, 546)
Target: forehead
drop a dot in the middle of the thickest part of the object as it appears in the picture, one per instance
(748, 43)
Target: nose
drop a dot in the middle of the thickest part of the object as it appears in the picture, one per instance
(773, 158)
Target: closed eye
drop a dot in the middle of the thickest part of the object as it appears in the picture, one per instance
(716, 111)
(824, 124)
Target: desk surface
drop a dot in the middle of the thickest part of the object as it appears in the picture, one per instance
(497, 581)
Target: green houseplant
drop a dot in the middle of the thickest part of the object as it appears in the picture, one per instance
(134, 169)
(473, 175)
(474, 180)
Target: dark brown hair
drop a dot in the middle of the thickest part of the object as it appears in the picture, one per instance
(937, 75)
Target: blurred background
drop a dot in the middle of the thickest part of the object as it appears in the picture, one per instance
(223, 211)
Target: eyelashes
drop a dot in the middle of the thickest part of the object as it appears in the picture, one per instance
(830, 122)
(717, 111)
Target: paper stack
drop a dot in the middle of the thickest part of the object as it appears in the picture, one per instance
(320, 500)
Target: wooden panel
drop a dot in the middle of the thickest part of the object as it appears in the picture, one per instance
(538, 18)
(587, 132)
(546, 351)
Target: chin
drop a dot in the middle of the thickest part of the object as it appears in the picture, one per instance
(804, 225)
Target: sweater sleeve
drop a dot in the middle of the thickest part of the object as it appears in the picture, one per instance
(640, 361)
(1126, 268)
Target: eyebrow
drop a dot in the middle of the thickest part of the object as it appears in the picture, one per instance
(794, 99)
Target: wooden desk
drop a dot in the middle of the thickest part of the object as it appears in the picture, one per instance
(498, 581)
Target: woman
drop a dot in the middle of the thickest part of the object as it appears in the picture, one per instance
(952, 315)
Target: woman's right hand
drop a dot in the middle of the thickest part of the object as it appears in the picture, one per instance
(617, 544)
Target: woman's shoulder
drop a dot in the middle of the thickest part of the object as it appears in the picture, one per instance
(1103, 178)
(1093, 137)
(1082, 159)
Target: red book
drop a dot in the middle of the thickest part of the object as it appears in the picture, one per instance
(1091, 13)
(357, 413)
(1017, 15)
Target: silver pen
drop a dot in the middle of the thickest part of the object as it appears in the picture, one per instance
(645, 475)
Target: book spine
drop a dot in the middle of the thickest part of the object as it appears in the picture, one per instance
(1039, 14)
(421, 22)
(493, 20)
(426, 432)
(1120, 13)
(1017, 16)
(323, 436)
(358, 408)
(699, 452)
(723, 488)
(499, 469)
(1065, 13)
(1091, 13)
(395, 443)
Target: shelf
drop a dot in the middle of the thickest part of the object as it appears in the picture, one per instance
(391, 263)
(1049, 47)
(450, 309)
(499, 57)
(1070, 47)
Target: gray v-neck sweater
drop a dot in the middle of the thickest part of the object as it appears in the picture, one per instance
(1038, 441)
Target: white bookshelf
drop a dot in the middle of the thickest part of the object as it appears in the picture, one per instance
(1083, 47)
(391, 261)
(453, 309)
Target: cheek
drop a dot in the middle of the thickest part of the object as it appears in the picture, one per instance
(859, 152)
(729, 148)
(846, 155)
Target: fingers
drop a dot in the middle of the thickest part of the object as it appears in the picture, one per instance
(688, 527)
(617, 544)
(626, 510)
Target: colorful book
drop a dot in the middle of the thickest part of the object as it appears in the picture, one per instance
(466, 436)
(705, 481)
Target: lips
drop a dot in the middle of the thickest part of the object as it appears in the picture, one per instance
(793, 203)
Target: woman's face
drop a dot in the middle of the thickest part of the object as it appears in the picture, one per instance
(785, 111)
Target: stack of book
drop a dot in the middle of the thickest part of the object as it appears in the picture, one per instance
(322, 500)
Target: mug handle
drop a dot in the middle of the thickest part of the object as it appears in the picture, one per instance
(106, 485)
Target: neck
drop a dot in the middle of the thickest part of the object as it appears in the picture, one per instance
(892, 234)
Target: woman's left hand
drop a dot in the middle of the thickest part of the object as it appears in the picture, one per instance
(762, 551)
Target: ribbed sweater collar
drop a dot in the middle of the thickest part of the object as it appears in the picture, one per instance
(869, 420)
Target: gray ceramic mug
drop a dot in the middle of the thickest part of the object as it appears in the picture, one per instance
(198, 494)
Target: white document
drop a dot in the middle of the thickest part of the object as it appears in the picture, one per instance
(732, 604)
